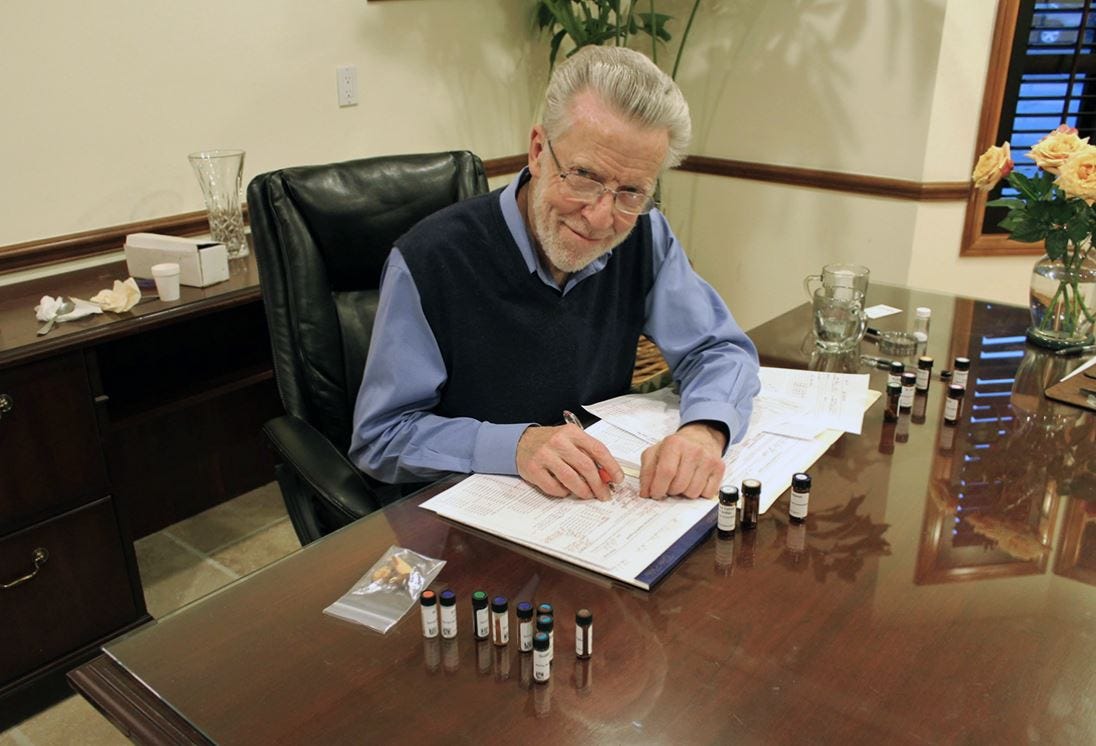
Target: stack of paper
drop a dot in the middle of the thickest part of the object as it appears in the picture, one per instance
(797, 415)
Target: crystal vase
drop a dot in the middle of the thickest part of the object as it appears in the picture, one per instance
(220, 174)
(1063, 300)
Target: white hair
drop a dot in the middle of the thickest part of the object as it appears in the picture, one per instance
(630, 84)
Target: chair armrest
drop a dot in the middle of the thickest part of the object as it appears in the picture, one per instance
(322, 466)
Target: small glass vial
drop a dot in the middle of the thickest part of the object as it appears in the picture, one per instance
(480, 622)
(727, 517)
(448, 602)
(524, 613)
(545, 608)
(921, 320)
(751, 498)
(584, 633)
(953, 405)
(546, 624)
(894, 375)
(500, 621)
(801, 495)
(428, 605)
(894, 393)
(909, 383)
(962, 370)
(542, 657)
(924, 372)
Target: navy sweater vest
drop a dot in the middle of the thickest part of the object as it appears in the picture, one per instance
(515, 349)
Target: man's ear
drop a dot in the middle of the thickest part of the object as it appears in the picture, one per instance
(537, 139)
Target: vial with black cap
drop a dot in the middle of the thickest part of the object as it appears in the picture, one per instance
(727, 517)
(800, 497)
(751, 498)
(584, 633)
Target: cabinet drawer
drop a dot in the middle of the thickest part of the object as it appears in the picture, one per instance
(82, 592)
(50, 453)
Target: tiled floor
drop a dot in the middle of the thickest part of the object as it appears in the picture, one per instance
(178, 565)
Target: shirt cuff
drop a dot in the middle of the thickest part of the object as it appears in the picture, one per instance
(718, 412)
(495, 451)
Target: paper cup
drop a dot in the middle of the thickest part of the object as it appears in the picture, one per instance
(167, 280)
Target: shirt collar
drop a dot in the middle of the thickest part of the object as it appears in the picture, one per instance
(512, 215)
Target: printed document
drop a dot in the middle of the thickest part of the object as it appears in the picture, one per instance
(619, 537)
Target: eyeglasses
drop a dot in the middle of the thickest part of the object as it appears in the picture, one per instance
(584, 189)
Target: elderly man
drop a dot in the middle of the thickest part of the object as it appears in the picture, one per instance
(500, 312)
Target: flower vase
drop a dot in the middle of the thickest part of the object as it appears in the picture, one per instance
(1063, 301)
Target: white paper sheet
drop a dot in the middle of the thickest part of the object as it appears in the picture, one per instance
(825, 400)
(620, 537)
(650, 416)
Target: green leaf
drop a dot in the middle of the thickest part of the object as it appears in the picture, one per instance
(1057, 243)
(1029, 231)
(1011, 221)
(1010, 202)
(556, 41)
(1078, 230)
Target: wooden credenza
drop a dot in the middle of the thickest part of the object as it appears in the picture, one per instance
(111, 428)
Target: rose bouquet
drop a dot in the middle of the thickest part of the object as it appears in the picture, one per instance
(1055, 207)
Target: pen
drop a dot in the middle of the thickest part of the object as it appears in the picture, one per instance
(570, 419)
(879, 362)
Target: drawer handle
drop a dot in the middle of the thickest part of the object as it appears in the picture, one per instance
(39, 555)
(6, 404)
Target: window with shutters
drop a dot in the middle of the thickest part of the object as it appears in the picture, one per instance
(1042, 73)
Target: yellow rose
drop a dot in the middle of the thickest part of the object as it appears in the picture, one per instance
(1077, 176)
(1055, 149)
(994, 165)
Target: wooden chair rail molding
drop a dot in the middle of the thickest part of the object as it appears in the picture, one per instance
(88, 243)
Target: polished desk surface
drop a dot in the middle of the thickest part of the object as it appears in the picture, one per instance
(940, 591)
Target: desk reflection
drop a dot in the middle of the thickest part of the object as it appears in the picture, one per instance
(1000, 475)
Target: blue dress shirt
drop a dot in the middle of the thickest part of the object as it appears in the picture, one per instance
(397, 438)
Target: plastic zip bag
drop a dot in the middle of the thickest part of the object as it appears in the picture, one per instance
(383, 595)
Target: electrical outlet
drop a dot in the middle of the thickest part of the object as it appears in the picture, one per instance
(346, 79)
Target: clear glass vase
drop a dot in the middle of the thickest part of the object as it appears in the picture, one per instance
(1063, 300)
(220, 174)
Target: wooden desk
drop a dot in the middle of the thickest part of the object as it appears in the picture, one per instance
(939, 592)
(113, 427)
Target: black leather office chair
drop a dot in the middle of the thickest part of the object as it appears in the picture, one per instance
(321, 236)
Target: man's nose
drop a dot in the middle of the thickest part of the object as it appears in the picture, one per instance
(599, 213)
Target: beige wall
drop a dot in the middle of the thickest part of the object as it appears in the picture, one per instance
(105, 100)
(887, 88)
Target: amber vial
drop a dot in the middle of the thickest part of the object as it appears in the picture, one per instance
(751, 497)
(584, 633)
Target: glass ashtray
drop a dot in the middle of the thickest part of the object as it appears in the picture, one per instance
(896, 343)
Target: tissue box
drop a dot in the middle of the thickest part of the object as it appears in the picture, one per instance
(201, 263)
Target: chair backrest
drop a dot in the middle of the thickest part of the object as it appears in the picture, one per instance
(321, 236)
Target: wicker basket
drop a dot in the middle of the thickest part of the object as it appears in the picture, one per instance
(651, 371)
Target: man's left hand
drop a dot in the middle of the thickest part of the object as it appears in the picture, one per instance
(688, 463)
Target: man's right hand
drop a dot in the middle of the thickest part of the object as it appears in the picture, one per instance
(560, 461)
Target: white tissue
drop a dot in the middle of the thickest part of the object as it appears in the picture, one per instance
(119, 299)
(47, 309)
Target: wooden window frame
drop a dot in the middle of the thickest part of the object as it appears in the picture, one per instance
(975, 242)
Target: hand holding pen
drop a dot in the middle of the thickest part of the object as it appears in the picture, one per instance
(602, 472)
(564, 461)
